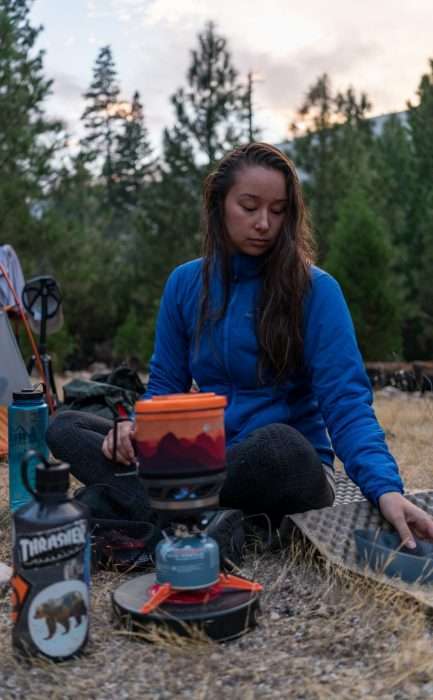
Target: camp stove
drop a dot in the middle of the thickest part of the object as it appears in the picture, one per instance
(180, 448)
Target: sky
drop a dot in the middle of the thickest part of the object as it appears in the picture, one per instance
(380, 47)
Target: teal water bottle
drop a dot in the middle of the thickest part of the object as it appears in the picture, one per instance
(27, 425)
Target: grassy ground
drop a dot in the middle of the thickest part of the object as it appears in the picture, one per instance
(322, 634)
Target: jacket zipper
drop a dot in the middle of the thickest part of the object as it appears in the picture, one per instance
(227, 325)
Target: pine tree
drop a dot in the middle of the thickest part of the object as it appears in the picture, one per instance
(395, 184)
(135, 163)
(360, 259)
(83, 259)
(28, 140)
(396, 176)
(335, 135)
(101, 118)
(253, 131)
(419, 331)
(212, 112)
(421, 128)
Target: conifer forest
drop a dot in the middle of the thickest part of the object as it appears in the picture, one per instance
(111, 218)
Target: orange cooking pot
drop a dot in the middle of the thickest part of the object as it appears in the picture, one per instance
(180, 435)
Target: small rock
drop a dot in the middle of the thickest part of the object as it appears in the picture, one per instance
(5, 573)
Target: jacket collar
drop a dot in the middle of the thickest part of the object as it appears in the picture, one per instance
(244, 266)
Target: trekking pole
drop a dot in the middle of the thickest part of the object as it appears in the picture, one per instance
(32, 341)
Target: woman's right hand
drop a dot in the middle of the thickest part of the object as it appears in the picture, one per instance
(125, 451)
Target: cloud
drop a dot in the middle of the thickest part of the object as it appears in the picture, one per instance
(125, 11)
(368, 45)
(66, 101)
(67, 87)
(282, 83)
(162, 58)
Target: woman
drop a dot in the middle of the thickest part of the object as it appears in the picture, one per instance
(255, 320)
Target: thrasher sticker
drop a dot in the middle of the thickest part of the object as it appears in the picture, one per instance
(50, 546)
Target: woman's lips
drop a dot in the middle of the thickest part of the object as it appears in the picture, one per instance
(260, 242)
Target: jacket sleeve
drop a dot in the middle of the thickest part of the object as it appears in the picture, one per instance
(169, 365)
(344, 393)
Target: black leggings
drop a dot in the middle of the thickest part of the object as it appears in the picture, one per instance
(274, 470)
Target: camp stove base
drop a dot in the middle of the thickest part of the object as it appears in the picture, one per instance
(225, 616)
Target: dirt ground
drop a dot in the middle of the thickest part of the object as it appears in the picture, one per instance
(322, 633)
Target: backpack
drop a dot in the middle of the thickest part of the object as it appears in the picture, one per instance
(108, 395)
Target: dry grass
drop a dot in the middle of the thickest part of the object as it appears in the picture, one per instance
(322, 634)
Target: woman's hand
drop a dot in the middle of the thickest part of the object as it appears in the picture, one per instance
(409, 520)
(125, 451)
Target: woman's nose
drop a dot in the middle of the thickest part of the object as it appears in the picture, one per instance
(262, 223)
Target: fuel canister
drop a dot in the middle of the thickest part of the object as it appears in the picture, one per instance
(188, 562)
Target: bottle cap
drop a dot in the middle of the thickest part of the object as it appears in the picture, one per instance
(30, 394)
(52, 477)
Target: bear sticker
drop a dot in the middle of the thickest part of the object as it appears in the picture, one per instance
(58, 618)
(60, 610)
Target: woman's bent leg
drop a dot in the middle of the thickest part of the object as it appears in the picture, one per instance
(76, 437)
(277, 471)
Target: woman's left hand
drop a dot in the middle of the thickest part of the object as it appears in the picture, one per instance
(409, 520)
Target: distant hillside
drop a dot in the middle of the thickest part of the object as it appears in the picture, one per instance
(378, 123)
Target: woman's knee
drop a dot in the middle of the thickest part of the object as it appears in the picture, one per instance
(60, 424)
(74, 424)
(71, 427)
(294, 467)
(281, 447)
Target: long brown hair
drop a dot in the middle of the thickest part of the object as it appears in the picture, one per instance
(285, 270)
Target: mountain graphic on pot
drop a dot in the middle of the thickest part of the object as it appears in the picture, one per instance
(180, 433)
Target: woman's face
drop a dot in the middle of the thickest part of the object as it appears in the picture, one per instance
(254, 209)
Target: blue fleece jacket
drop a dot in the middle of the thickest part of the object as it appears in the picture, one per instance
(329, 402)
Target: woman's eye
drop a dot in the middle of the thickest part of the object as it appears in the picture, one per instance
(273, 211)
